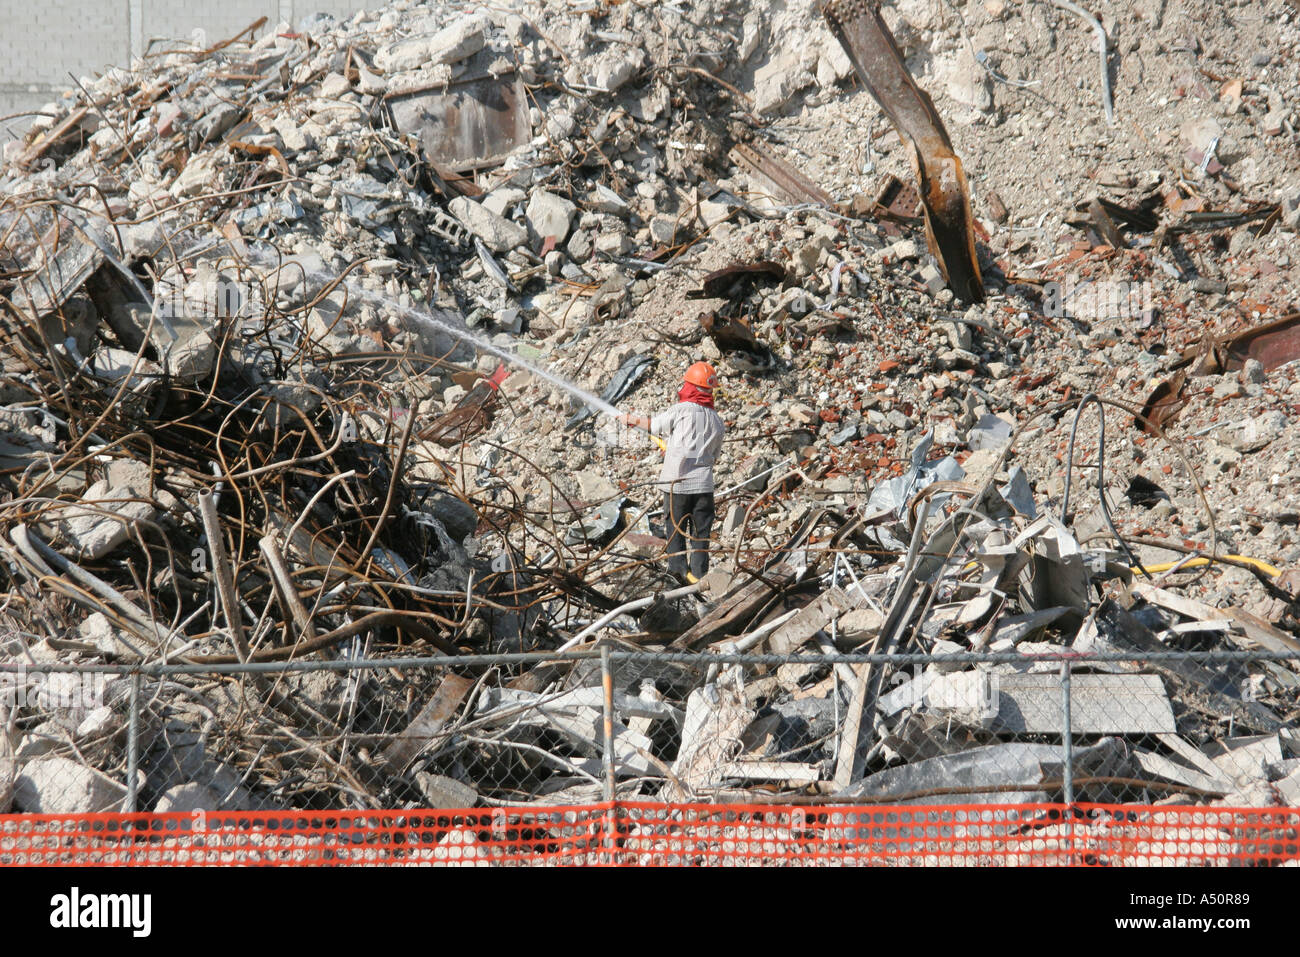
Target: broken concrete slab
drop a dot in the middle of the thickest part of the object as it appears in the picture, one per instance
(453, 43)
(443, 793)
(186, 798)
(858, 625)
(1099, 704)
(1255, 433)
(53, 785)
(1245, 760)
(1158, 766)
(106, 521)
(498, 234)
(716, 718)
(459, 40)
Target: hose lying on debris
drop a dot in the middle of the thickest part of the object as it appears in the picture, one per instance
(1256, 565)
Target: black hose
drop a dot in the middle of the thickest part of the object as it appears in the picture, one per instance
(1101, 471)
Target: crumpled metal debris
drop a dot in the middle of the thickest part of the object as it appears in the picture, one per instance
(893, 494)
(623, 382)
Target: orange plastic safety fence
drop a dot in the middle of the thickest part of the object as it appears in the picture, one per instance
(660, 834)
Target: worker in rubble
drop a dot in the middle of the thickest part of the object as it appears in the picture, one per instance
(691, 432)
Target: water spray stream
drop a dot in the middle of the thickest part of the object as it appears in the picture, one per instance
(427, 319)
(422, 317)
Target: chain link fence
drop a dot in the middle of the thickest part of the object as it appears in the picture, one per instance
(620, 724)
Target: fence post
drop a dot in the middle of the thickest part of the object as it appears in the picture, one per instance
(1067, 734)
(607, 685)
(133, 746)
(607, 710)
(1067, 779)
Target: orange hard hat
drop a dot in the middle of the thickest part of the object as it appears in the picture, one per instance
(702, 375)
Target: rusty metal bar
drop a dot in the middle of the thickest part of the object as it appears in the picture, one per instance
(786, 182)
(949, 226)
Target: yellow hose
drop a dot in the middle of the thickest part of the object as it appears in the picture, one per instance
(1263, 566)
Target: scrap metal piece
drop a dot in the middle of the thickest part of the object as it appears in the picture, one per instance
(1012, 772)
(949, 225)
(1105, 226)
(736, 341)
(470, 123)
(472, 414)
(1164, 403)
(733, 281)
(493, 268)
(598, 526)
(437, 711)
(61, 260)
(898, 201)
(1207, 220)
(773, 175)
(628, 375)
(1271, 343)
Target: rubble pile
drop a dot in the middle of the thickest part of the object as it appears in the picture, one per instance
(287, 330)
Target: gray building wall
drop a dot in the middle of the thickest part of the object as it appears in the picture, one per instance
(42, 41)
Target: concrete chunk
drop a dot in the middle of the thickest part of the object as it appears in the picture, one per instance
(499, 234)
(462, 39)
(95, 531)
(60, 786)
(443, 793)
(1245, 760)
(184, 798)
(549, 215)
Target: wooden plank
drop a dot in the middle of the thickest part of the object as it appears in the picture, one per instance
(810, 619)
(1258, 632)
(850, 735)
(436, 713)
(54, 136)
(786, 772)
(735, 609)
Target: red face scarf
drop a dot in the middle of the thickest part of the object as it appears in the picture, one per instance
(693, 393)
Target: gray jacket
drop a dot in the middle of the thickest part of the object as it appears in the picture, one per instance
(694, 438)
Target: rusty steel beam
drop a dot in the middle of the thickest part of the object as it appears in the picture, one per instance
(779, 177)
(949, 227)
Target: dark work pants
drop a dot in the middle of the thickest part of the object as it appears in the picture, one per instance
(689, 518)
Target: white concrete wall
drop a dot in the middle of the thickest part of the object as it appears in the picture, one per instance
(42, 41)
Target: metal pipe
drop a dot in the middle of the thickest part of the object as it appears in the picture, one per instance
(604, 620)
(1067, 775)
(133, 747)
(224, 574)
